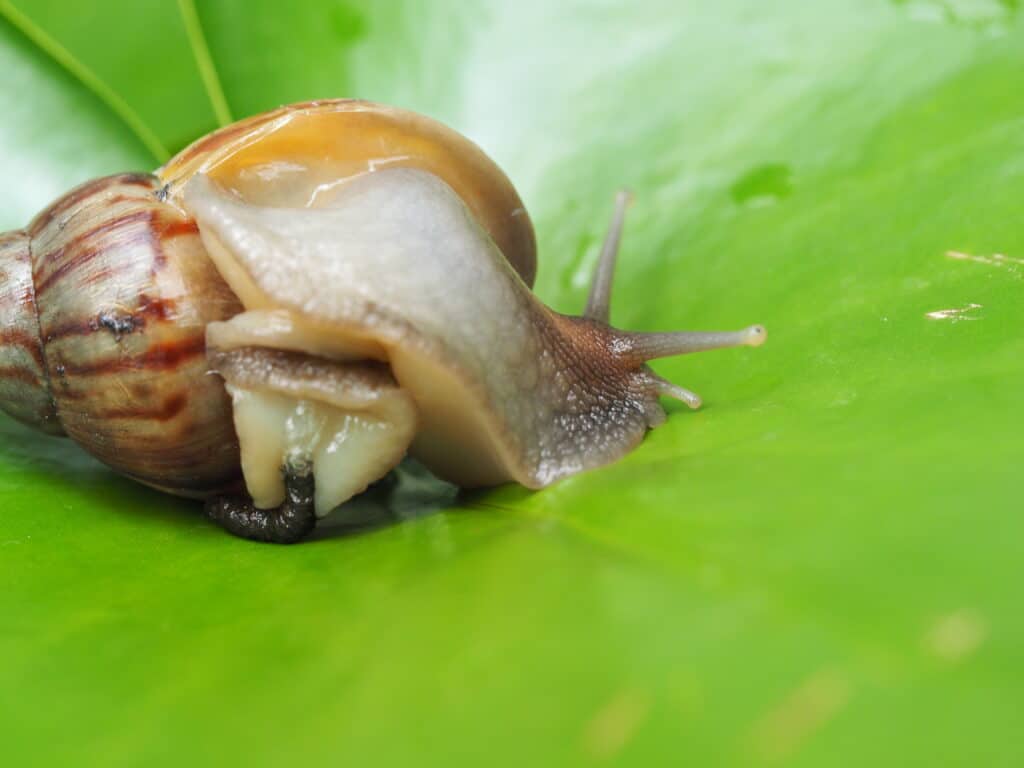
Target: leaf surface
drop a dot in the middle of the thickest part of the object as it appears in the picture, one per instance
(820, 567)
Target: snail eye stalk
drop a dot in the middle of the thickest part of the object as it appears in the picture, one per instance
(635, 349)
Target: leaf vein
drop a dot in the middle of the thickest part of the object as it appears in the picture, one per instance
(89, 79)
(204, 61)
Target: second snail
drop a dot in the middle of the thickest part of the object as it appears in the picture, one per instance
(295, 302)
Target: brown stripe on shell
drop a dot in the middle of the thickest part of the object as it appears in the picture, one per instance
(160, 357)
(67, 205)
(146, 311)
(165, 411)
(26, 341)
(178, 435)
(177, 228)
(24, 389)
(125, 230)
(20, 375)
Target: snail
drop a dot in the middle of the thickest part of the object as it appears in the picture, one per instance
(277, 316)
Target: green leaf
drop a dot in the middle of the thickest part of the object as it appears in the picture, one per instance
(819, 568)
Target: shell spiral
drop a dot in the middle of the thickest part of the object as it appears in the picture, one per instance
(104, 301)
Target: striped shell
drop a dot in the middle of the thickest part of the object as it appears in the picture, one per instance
(107, 295)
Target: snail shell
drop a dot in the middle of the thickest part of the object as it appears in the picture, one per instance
(105, 298)
(303, 155)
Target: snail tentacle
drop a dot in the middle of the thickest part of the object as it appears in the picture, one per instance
(641, 347)
(666, 388)
(634, 348)
(599, 301)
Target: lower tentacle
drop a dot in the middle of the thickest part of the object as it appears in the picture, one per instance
(291, 522)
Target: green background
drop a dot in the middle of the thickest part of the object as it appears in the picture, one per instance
(819, 568)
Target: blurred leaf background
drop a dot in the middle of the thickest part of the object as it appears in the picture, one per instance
(821, 567)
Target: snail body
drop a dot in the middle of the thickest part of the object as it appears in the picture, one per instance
(359, 277)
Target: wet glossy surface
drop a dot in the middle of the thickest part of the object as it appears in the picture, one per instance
(819, 568)
(305, 154)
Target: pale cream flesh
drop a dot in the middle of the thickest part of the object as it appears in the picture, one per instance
(347, 450)
(347, 421)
